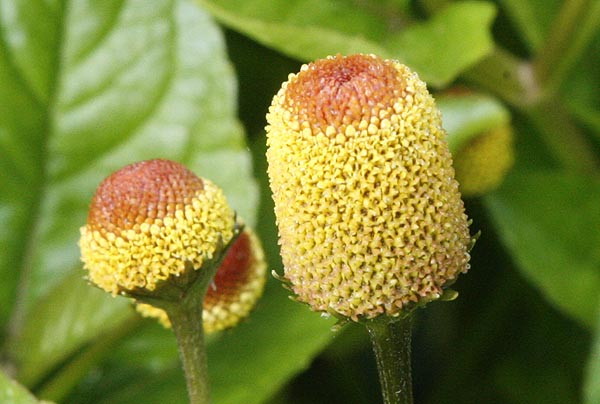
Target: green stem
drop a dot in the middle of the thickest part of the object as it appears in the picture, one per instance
(185, 315)
(516, 83)
(570, 33)
(391, 339)
(186, 321)
(564, 139)
(506, 76)
(182, 298)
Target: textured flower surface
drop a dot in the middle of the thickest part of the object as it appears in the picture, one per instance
(369, 214)
(236, 287)
(483, 162)
(147, 221)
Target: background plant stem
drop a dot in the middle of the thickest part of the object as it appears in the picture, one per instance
(569, 34)
(517, 83)
(186, 320)
(391, 339)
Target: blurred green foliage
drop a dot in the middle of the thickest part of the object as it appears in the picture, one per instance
(89, 86)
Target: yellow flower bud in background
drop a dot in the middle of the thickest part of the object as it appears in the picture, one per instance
(482, 163)
(369, 214)
(148, 222)
(237, 286)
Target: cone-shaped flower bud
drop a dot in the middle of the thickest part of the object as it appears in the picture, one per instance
(369, 214)
(150, 221)
(482, 163)
(236, 287)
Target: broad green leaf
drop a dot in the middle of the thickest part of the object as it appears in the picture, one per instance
(467, 115)
(591, 387)
(303, 29)
(532, 18)
(550, 222)
(23, 96)
(86, 89)
(12, 392)
(61, 322)
(278, 341)
(447, 44)
(438, 49)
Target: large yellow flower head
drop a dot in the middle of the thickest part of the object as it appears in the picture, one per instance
(236, 287)
(369, 214)
(148, 222)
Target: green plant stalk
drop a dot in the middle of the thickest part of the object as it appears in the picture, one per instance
(563, 137)
(391, 339)
(571, 31)
(507, 76)
(515, 81)
(182, 298)
(186, 321)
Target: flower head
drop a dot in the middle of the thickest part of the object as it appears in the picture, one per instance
(370, 217)
(236, 287)
(482, 163)
(150, 220)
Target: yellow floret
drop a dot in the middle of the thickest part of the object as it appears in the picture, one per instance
(369, 214)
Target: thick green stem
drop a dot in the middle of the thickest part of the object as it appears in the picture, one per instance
(506, 76)
(515, 82)
(391, 340)
(182, 298)
(186, 321)
(185, 315)
(565, 141)
(569, 35)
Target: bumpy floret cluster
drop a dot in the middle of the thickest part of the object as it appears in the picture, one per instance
(236, 287)
(370, 217)
(148, 220)
(482, 163)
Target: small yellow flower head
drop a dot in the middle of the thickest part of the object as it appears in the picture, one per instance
(148, 220)
(483, 162)
(370, 217)
(236, 287)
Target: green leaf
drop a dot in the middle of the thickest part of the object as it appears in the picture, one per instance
(86, 89)
(438, 49)
(550, 222)
(307, 29)
(279, 340)
(468, 115)
(447, 44)
(12, 392)
(591, 387)
(61, 322)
